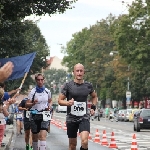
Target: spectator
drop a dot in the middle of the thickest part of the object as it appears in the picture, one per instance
(107, 112)
(6, 71)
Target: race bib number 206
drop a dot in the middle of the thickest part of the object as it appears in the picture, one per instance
(78, 109)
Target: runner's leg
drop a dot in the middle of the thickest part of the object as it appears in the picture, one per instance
(72, 134)
(27, 133)
(42, 138)
(35, 128)
(72, 143)
(84, 129)
(30, 139)
(43, 134)
(18, 126)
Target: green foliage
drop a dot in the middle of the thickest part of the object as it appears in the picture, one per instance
(132, 35)
(55, 77)
(91, 47)
(22, 38)
(76, 49)
(12, 10)
(19, 36)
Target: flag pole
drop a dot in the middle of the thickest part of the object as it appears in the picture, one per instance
(25, 75)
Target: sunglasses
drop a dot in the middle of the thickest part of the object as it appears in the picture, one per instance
(39, 79)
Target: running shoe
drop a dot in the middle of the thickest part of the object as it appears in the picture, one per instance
(27, 147)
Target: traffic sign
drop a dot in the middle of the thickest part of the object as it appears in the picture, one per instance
(128, 94)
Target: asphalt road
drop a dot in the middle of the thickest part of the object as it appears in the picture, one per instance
(123, 132)
(56, 140)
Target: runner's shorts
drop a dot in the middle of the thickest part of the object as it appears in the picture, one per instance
(73, 127)
(38, 124)
(27, 125)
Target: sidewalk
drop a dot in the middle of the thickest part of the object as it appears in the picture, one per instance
(8, 138)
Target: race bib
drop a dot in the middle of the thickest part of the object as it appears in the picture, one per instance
(19, 115)
(2, 121)
(27, 114)
(78, 109)
(46, 115)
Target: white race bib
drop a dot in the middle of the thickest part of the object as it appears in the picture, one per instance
(19, 115)
(46, 115)
(78, 109)
(27, 114)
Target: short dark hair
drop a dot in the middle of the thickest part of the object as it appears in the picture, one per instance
(2, 85)
(39, 74)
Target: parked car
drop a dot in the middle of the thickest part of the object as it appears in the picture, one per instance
(62, 109)
(131, 115)
(121, 114)
(127, 113)
(142, 119)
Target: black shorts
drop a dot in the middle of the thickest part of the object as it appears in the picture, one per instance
(37, 125)
(27, 125)
(72, 127)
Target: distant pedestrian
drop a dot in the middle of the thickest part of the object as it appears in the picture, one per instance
(107, 112)
(99, 113)
(19, 120)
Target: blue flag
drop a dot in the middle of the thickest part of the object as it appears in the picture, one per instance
(22, 65)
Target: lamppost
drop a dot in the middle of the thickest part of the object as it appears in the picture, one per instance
(93, 63)
(128, 93)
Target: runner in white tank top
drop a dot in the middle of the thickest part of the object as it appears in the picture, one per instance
(40, 114)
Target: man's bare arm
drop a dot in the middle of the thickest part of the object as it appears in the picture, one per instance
(29, 104)
(61, 100)
(94, 98)
(13, 91)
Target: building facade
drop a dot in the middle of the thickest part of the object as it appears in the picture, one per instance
(55, 63)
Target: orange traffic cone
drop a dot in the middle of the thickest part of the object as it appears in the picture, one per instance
(97, 137)
(52, 121)
(65, 128)
(90, 137)
(59, 125)
(104, 139)
(134, 143)
(113, 142)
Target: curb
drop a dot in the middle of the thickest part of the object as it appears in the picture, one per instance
(10, 133)
(10, 144)
(7, 147)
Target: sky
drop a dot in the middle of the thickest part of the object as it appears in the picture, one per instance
(59, 28)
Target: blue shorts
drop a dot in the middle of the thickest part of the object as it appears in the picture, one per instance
(20, 119)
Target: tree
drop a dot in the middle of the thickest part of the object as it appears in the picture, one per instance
(92, 45)
(75, 49)
(25, 39)
(12, 10)
(55, 78)
(132, 35)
